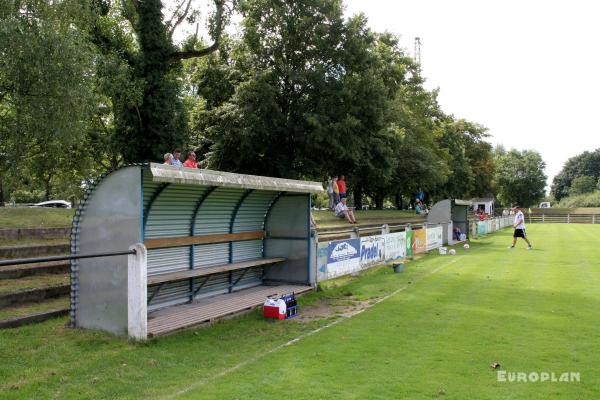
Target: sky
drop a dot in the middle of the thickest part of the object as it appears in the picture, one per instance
(529, 70)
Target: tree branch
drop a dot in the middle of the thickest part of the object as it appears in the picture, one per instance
(219, 21)
(184, 55)
(180, 19)
(126, 11)
(168, 23)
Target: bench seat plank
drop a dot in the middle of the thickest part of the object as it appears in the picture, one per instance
(192, 273)
(158, 243)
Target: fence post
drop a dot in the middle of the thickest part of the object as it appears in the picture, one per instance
(593, 218)
(385, 229)
(543, 218)
(137, 293)
(568, 218)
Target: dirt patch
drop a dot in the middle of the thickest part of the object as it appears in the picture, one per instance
(326, 308)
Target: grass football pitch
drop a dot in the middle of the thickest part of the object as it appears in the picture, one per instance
(430, 332)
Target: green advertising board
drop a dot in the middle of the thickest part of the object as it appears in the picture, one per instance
(409, 244)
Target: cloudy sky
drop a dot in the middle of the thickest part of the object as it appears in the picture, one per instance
(527, 70)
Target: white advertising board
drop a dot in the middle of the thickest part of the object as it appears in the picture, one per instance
(395, 246)
(434, 237)
(372, 250)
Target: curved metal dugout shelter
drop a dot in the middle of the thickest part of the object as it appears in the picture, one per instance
(451, 213)
(208, 233)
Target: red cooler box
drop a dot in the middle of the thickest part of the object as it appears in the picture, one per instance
(274, 308)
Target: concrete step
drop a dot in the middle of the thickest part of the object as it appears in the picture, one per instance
(35, 233)
(33, 295)
(46, 305)
(34, 250)
(32, 318)
(20, 271)
(326, 227)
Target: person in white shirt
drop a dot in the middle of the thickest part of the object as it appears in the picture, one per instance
(342, 211)
(519, 226)
(330, 193)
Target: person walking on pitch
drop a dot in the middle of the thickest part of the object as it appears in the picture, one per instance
(519, 226)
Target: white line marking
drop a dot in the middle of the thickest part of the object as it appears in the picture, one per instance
(303, 336)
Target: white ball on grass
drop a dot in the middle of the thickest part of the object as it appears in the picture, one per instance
(466, 246)
(452, 252)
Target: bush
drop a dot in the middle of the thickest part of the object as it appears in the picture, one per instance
(320, 200)
(582, 185)
(27, 196)
(582, 200)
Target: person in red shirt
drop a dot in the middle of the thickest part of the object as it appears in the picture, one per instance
(342, 187)
(191, 162)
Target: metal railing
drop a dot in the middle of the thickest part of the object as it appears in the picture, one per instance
(374, 228)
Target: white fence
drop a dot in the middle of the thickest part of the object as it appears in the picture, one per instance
(555, 218)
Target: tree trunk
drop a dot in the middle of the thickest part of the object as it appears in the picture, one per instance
(1, 193)
(379, 201)
(398, 201)
(47, 187)
(357, 193)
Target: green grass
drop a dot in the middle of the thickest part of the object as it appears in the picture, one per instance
(528, 310)
(11, 218)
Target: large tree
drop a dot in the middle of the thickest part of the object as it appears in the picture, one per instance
(420, 162)
(520, 177)
(470, 159)
(290, 63)
(46, 95)
(149, 114)
(584, 164)
(306, 95)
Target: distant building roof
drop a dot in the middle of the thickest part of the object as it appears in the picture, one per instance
(463, 202)
(483, 200)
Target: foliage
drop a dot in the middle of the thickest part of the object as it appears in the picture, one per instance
(149, 114)
(352, 104)
(520, 177)
(591, 199)
(302, 93)
(27, 196)
(44, 105)
(582, 185)
(471, 160)
(585, 164)
(269, 124)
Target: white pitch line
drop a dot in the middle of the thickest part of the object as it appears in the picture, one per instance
(303, 336)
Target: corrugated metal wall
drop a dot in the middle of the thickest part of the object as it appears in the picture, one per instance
(170, 215)
(288, 237)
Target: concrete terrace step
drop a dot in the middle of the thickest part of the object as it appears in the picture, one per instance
(34, 250)
(327, 229)
(328, 225)
(32, 318)
(32, 295)
(35, 233)
(20, 271)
